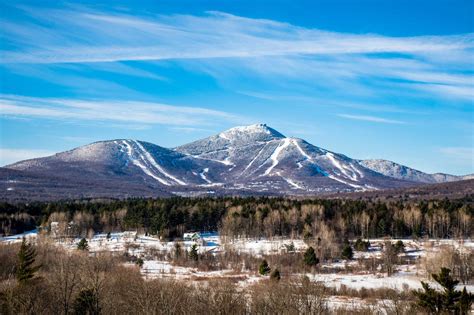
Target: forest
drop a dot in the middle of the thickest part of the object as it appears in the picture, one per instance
(250, 217)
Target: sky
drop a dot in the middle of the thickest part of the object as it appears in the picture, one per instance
(370, 78)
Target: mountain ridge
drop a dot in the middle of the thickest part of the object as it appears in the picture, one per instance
(254, 159)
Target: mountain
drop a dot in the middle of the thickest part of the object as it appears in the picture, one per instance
(398, 171)
(248, 160)
(261, 158)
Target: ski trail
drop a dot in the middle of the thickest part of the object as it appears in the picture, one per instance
(276, 153)
(146, 155)
(203, 175)
(143, 167)
(303, 153)
(341, 167)
(346, 183)
(254, 159)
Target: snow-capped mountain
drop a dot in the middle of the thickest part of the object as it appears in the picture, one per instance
(253, 159)
(260, 157)
(398, 171)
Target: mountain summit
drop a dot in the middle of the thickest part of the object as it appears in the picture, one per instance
(253, 159)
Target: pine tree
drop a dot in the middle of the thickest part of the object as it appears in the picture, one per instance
(429, 298)
(399, 247)
(83, 244)
(26, 257)
(361, 245)
(193, 254)
(347, 252)
(449, 300)
(465, 301)
(275, 275)
(87, 302)
(310, 258)
(450, 296)
(139, 262)
(264, 269)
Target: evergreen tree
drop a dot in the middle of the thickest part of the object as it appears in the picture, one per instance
(177, 250)
(193, 254)
(26, 259)
(139, 262)
(429, 299)
(275, 275)
(361, 245)
(87, 302)
(83, 244)
(264, 269)
(399, 247)
(347, 252)
(465, 301)
(310, 258)
(449, 300)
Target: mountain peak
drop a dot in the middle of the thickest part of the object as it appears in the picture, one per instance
(255, 131)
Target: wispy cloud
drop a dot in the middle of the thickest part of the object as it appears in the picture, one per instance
(125, 112)
(8, 156)
(91, 36)
(371, 119)
(278, 52)
(465, 154)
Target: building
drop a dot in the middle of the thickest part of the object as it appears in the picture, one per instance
(193, 236)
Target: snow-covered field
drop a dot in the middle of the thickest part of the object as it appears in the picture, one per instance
(405, 277)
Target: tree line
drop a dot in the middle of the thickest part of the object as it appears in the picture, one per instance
(248, 217)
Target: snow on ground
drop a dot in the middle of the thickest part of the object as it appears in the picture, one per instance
(265, 246)
(153, 269)
(138, 244)
(405, 277)
(414, 248)
(18, 237)
(368, 281)
(398, 281)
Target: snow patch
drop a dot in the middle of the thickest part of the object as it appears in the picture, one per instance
(341, 167)
(276, 153)
(152, 161)
(296, 144)
(203, 175)
(255, 158)
(143, 167)
(291, 182)
(346, 182)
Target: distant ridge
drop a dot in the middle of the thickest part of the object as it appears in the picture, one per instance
(246, 160)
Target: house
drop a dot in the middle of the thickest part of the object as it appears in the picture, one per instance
(193, 236)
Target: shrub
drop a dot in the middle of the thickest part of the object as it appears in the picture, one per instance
(361, 246)
(264, 269)
(310, 258)
(87, 303)
(399, 247)
(347, 252)
(275, 275)
(193, 254)
(83, 244)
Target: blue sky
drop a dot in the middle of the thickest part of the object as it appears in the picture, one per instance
(370, 79)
